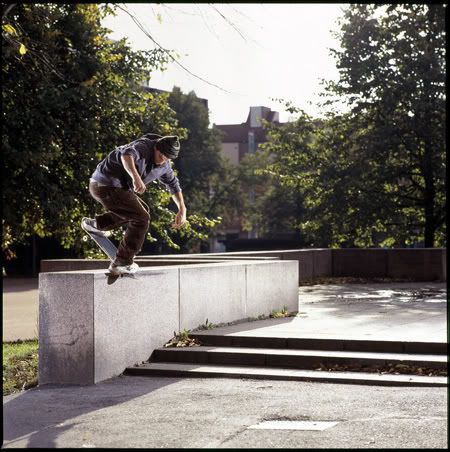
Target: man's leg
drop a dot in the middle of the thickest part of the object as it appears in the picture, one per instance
(123, 208)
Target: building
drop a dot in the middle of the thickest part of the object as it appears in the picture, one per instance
(245, 137)
(238, 140)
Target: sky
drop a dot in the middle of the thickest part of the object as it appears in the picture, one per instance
(254, 52)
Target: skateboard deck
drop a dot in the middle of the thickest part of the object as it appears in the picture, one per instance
(109, 249)
(104, 243)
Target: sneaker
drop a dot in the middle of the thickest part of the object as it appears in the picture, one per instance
(90, 225)
(121, 269)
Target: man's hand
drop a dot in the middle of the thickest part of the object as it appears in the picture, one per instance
(138, 186)
(180, 219)
(130, 168)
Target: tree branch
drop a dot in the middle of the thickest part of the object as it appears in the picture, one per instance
(138, 23)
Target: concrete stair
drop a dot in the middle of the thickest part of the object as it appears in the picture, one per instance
(302, 359)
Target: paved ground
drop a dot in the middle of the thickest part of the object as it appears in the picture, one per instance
(20, 308)
(162, 412)
(389, 311)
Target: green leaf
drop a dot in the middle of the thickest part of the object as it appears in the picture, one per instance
(9, 29)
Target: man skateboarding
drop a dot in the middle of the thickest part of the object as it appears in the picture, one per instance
(122, 173)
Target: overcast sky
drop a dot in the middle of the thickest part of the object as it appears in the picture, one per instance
(265, 51)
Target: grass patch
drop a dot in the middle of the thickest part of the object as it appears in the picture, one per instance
(20, 365)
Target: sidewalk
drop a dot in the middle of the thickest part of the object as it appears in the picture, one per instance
(20, 308)
(388, 311)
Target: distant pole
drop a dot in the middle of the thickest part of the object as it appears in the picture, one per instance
(34, 256)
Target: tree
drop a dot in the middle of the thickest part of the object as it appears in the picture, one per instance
(376, 174)
(392, 74)
(266, 206)
(70, 95)
(201, 166)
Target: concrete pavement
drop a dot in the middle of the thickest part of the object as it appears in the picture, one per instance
(411, 311)
(161, 412)
(144, 412)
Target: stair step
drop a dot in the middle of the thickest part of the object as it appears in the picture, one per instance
(236, 340)
(209, 370)
(300, 359)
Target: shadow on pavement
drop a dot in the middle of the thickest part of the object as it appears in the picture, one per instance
(44, 413)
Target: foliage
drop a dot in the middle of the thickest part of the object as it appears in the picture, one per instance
(266, 206)
(20, 365)
(200, 165)
(278, 314)
(182, 339)
(70, 99)
(207, 326)
(392, 68)
(374, 176)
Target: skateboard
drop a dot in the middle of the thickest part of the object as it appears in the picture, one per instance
(108, 248)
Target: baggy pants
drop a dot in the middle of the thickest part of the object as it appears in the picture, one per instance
(123, 208)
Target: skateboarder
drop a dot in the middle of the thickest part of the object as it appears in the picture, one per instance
(122, 173)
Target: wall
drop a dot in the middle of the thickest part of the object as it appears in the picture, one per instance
(231, 152)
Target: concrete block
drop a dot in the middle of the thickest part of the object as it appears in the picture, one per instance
(444, 265)
(276, 254)
(322, 263)
(214, 292)
(271, 285)
(66, 328)
(305, 260)
(91, 330)
(133, 317)
(368, 263)
(424, 264)
(65, 265)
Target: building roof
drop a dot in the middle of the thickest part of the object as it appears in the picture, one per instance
(238, 133)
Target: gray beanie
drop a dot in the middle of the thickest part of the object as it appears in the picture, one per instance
(169, 146)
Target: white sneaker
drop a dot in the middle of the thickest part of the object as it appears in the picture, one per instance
(90, 225)
(121, 269)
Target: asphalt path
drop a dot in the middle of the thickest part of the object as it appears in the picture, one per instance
(158, 412)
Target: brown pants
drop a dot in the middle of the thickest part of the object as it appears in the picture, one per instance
(123, 208)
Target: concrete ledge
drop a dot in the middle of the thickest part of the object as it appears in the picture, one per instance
(360, 262)
(312, 263)
(416, 263)
(91, 329)
(420, 264)
(67, 265)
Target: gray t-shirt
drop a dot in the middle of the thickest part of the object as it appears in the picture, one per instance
(111, 172)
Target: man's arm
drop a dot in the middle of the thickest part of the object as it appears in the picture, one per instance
(130, 168)
(180, 218)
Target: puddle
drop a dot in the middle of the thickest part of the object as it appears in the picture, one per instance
(429, 295)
